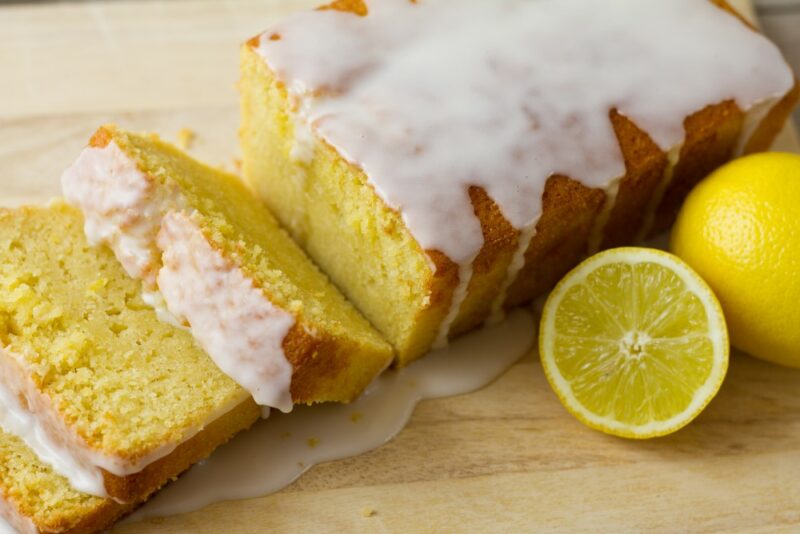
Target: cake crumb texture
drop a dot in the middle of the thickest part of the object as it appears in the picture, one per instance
(334, 350)
(125, 382)
(46, 498)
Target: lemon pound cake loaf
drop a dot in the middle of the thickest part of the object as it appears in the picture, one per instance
(218, 261)
(442, 160)
(114, 400)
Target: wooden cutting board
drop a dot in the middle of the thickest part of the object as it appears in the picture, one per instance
(507, 458)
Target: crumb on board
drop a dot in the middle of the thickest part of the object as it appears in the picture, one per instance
(355, 417)
(185, 138)
(312, 442)
(368, 511)
(301, 464)
(286, 434)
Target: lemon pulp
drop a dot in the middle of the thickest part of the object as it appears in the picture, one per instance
(634, 342)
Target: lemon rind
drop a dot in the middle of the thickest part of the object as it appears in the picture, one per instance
(718, 335)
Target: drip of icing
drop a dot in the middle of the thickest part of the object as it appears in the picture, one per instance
(752, 119)
(275, 452)
(16, 420)
(304, 144)
(55, 443)
(240, 329)
(597, 232)
(238, 326)
(459, 294)
(673, 156)
(507, 94)
(526, 236)
(126, 216)
(155, 300)
(423, 133)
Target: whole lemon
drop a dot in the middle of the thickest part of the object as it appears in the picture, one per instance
(740, 230)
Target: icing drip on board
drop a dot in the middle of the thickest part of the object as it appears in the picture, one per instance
(497, 96)
(276, 451)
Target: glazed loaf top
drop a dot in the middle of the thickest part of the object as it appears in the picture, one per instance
(431, 97)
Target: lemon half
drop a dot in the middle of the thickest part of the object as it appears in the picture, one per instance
(634, 343)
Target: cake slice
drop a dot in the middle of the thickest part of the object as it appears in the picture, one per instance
(108, 396)
(440, 174)
(36, 499)
(213, 258)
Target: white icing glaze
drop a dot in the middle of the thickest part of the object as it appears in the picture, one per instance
(459, 294)
(38, 423)
(597, 232)
(122, 206)
(16, 420)
(752, 120)
(526, 236)
(430, 98)
(155, 300)
(275, 452)
(127, 210)
(232, 319)
(304, 142)
(13, 522)
(673, 156)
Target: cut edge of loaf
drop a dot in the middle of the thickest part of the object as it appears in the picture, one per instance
(411, 333)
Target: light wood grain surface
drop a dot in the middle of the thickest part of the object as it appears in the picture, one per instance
(507, 458)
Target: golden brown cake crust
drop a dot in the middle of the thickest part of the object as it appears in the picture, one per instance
(570, 210)
(321, 362)
(139, 487)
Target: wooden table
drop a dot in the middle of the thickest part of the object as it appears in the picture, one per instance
(507, 458)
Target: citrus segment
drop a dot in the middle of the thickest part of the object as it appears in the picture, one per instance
(633, 342)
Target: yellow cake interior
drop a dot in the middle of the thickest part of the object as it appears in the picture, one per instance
(239, 225)
(387, 276)
(38, 492)
(124, 381)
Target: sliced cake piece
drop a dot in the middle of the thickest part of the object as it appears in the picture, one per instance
(202, 242)
(111, 397)
(36, 499)
(441, 175)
